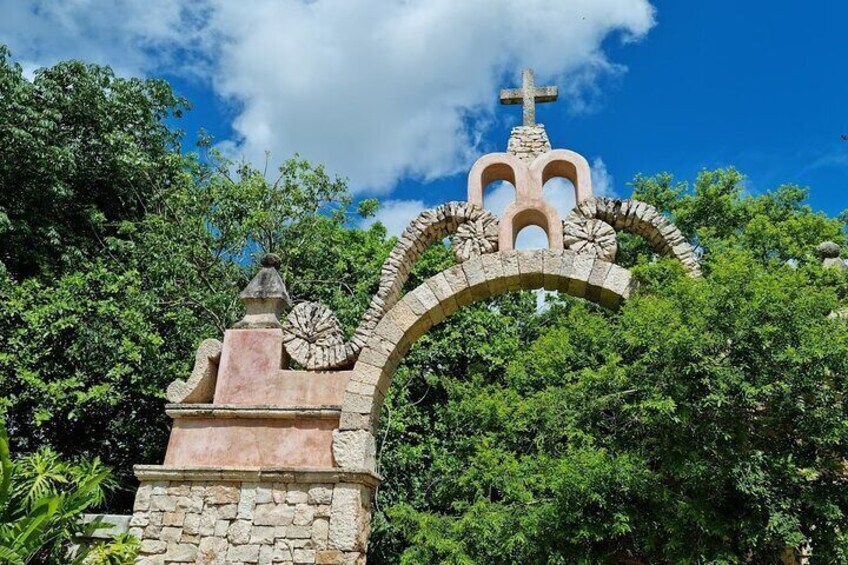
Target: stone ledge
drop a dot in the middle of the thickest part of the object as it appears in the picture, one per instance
(223, 411)
(305, 475)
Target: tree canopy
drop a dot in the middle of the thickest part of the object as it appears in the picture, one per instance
(703, 422)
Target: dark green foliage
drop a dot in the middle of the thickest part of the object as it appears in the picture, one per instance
(82, 149)
(703, 423)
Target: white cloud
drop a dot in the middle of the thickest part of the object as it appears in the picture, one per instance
(396, 215)
(602, 181)
(133, 37)
(498, 197)
(377, 90)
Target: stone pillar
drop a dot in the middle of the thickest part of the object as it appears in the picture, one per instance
(249, 475)
(245, 516)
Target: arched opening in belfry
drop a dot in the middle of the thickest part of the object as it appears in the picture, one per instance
(559, 191)
(531, 237)
(498, 195)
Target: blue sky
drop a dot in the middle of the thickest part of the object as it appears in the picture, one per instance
(401, 96)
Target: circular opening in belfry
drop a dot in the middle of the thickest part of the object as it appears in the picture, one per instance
(531, 237)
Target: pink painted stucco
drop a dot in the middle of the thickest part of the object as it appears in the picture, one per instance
(530, 206)
(287, 388)
(251, 442)
(250, 358)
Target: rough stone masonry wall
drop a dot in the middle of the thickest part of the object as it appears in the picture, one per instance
(528, 142)
(243, 522)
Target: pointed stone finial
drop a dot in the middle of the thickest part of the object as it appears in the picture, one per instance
(265, 298)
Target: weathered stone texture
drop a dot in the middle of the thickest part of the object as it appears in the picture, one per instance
(246, 523)
(528, 142)
(311, 336)
(587, 230)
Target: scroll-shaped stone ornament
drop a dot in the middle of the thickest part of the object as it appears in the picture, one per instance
(313, 336)
(590, 236)
(476, 237)
(643, 220)
(429, 227)
(200, 386)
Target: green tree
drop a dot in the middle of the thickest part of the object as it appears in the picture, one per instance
(702, 423)
(82, 150)
(85, 357)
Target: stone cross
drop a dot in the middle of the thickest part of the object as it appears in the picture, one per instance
(528, 95)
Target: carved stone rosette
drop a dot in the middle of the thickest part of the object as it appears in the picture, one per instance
(590, 236)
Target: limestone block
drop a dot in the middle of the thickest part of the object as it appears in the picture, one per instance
(459, 285)
(388, 330)
(170, 533)
(443, 292)
(551, 267)
(358, 403)
(211, 550)
(190, 504)
(266, 555)
(281, 552)
(273, 514)
(372, 355)
(152, 546)
(617, 286)
(329, 557)
(406, 320)
(354, 450)
(320, 532)
(303, 556)
(243, 553)
(367, 374)
(351, 421)
(476, 277)
(263, 535)
(530, 268)
(297, 494)
(264, 493)
(596, 279)
(181, 552)
(222, 494)
(494, 273)
(239, 532)
(349, 518)
(512, 273)
(424, 295)
(304, 514)
(163, 502)
(295, 533)
(582, 269)
(320, 494)
(175, 518)
(142, 498)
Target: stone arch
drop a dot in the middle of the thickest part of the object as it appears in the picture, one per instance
(566, 164)
(643, 220)
(494, 167)
(332, 352)
(440, 296)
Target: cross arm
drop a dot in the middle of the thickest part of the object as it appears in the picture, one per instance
(512, 96)
(543, 93)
